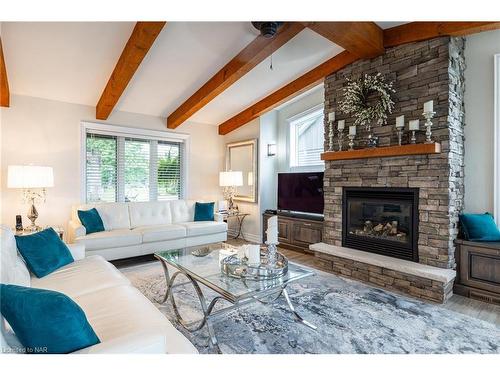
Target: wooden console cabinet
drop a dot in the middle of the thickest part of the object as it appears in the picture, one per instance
(478, 270)
(296, 233)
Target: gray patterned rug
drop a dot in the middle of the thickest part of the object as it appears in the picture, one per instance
(351, 318)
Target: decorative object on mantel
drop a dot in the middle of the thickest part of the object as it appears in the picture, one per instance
(331, 120)
(340, 127)
(428, 114)
(352, 135)
(400, 124)
(384, 152)
(355, 102)
(272, 241)
(413, 126)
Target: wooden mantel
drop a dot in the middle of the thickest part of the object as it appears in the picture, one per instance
(384, 152)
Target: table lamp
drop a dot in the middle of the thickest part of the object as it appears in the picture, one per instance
(229, 181)
(33, 180)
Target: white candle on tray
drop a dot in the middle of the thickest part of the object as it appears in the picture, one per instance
(252, 253)
(414, 125)
(341, 125)
(400, 121)
(429, 106)
(272, 230)
(352, 130)
(331, 117)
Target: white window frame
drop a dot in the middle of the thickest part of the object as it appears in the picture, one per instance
(130, 132)
(305, 115)
(496, 144)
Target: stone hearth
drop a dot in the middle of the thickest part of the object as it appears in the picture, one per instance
(422, 71)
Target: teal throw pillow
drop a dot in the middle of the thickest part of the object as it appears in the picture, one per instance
(204, 211)
(479, 227)
(91, 220)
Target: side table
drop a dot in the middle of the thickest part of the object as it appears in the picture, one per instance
(240, 217)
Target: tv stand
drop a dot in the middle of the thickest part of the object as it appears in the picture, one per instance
(296, 231)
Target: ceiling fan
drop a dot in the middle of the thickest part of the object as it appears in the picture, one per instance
(267, 29)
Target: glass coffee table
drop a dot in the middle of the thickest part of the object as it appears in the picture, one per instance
(205, 270)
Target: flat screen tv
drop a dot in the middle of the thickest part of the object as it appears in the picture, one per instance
(301, 192)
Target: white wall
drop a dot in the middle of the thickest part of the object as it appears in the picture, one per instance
(46, 132)
(479, 111)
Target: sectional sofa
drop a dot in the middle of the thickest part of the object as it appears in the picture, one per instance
(140, 228)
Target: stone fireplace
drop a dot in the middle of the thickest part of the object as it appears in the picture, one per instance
(422, 71)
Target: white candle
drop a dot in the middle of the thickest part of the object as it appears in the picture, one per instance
(331, 117)
(414, 125)
(272, 230)
(400, 121)
(429, 106)
(352, 130)
(341, 125)
(252, 253)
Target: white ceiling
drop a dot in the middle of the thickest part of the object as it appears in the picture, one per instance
(71, 62)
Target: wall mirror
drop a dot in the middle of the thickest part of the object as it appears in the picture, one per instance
(242, 156)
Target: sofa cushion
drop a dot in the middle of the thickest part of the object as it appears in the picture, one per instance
(200, 228)
(81, 277)
(13, 269)
(91, 220)
(129, 322)
(157, 233)
(44, 252)
(108, 239)
(182, 211)
(113, 215)
(46, 321)
(149, 213)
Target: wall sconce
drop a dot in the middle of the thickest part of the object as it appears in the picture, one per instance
(271, 149)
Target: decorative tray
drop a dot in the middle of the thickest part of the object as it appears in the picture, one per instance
(235, 267)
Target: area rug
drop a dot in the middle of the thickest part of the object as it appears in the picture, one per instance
(351, 318)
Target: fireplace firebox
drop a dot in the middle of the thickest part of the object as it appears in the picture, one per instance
(381, 220)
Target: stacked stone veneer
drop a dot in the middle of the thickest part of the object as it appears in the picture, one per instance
(422, 71)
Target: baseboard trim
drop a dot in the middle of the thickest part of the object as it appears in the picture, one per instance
(251, 237)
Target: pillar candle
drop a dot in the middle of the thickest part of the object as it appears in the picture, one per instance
(272, 230)
(252, 253)
(341, 125)
(414, 125)
(400, 121)
(331, 116)
(429, 106)
(352, 130)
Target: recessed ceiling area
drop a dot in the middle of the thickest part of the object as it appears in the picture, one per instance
(72, 62)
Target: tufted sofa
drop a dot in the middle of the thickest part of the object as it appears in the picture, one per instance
(140, 228)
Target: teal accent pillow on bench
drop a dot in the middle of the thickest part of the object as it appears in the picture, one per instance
(44, 252)
(45, 321)
(479, 227)
(204, 211)
(91, 220)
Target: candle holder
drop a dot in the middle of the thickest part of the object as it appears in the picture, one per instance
(400, 135)
(372, 139)
(272, 254)
(413, 138)
(341, 138)
(330, 136)
(428, 124)
(351, 141)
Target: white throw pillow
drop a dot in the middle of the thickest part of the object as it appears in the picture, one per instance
(13, 269)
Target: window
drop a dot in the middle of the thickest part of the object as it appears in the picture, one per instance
(306, 139)
(121, 167)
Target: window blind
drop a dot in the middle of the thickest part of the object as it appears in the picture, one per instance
(306, 140)
(132, 169)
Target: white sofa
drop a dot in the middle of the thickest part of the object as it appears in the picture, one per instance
(140, 228)
(124, 320)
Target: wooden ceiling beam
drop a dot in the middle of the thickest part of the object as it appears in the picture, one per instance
(4, 83)
(363, 39)
(138, 45)
(253, 54)
(418, 31)
(294, 88)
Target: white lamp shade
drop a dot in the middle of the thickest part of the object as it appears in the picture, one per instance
(29, 176)
(231, 178)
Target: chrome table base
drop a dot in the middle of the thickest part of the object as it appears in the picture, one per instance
(208, 312)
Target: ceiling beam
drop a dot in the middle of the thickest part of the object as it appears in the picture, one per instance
(253, 54)
(417, 31)
(138, 45)
(4, 83)
(363, 39)
(294, 88)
